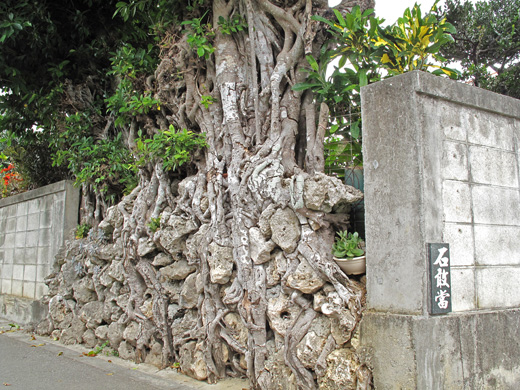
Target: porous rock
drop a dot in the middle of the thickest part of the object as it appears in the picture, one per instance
(155, 356)
(84, 291)
(89, 338)
(162, 259)
(114, 219)
(132, 332)
(145, 247)
(126, 351)
(174, 228)
(74, 333)
(192, 361)
(184, 324)
(304, 278)
(189, 292)
(176, 271)
(101, 332)
(310, 347)
(44, 328)
(92, 314)
(147, 308)
(276, 269)
(111, 311)
(285, 228)
(263, 222)
(323, 193)
(341, 370)
(115, 334)
(220, 262)
(234, 322)
(58, 309)
(259, 247)
(116, 271)
(282, 313)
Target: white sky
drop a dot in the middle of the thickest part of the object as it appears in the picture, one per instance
(392, 10)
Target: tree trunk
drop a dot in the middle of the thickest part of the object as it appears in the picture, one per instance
(253, 228)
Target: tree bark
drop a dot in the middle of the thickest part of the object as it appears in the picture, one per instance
(264, 158)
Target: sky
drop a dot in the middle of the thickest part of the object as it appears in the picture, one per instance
(391, 10)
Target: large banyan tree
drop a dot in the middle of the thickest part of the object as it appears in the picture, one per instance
(223, 265)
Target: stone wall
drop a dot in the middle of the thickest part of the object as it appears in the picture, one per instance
(33, 226)
(441, 166)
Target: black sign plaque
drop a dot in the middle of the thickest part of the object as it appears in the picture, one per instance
(440, 278)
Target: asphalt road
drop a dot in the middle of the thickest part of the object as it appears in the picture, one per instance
(44, 364)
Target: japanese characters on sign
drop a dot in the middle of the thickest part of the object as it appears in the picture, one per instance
(440, 280)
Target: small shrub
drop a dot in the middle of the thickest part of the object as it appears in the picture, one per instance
(155, 224)
(82, 230)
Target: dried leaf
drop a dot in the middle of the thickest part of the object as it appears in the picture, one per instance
(32, 337)
(60, 353)
(39, 345)
(110, 373)
(7, 384)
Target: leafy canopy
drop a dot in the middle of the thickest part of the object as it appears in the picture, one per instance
(74, 76)
(487, 42)
(361, 51)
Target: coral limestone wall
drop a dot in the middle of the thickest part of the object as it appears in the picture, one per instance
(166, 301)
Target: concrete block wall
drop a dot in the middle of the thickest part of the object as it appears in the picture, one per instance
(481, 198)
(441, 164)
(33, 226)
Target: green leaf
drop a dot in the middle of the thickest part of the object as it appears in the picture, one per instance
(304, 86)
(354, 130)
(312, 62)
(363, 77)
(340, 18)
(322, 19)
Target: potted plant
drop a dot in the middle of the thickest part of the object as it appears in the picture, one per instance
(349, 254)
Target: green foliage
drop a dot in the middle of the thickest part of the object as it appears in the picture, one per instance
(365, 53)
(106, 164)
(127, 102)
(82, 230)
(172, 147)
(234, 25)
(128, 64)
(56, 47)
(206, 100)
(149, 16)
(487, 42)
(98, 349)
(129, 61)
(200, 36)
(347, 245)
(31, 156)
(155, 224)
(11, 26)
(414, 42)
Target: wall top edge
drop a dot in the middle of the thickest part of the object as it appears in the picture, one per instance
(450, 90)
(453, 315)
(37, 193)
